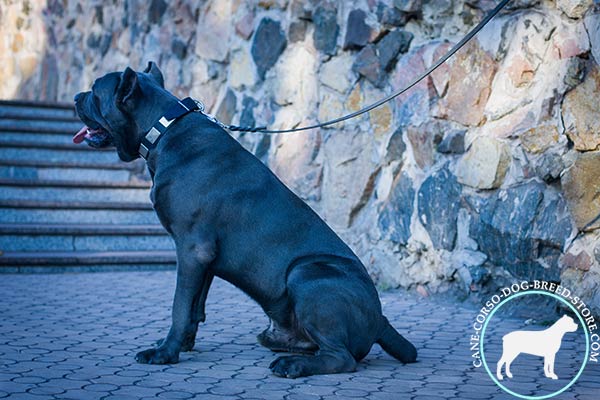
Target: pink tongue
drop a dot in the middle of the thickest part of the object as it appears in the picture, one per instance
(78, 138)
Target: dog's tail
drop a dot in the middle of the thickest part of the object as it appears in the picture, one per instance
(396, 345)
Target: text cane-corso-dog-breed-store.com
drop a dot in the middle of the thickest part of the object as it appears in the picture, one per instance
(231, 217)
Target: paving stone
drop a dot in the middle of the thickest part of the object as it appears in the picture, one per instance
(351, 393)
(100, 387)
(47, 390)
(175, 395)
(79, 394)
(24, 396)
(230, 364)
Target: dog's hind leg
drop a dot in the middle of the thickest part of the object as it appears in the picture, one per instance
(338, 310)
(278, 339)
(509, 359)
(330, 358)
(499, 366)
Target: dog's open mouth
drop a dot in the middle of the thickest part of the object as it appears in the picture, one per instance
(94, 137)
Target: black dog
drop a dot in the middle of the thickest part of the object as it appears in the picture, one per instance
(231, 217)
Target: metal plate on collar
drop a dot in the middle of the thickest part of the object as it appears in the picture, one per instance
(152, 135)
(144, 151)
(165, 122)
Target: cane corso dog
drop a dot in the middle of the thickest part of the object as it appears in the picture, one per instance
(231, 217)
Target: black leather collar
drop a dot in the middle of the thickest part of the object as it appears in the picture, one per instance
(183, 107)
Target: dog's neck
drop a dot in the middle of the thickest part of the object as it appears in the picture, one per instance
(178, 110)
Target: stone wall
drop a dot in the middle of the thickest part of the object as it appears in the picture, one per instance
(485, 172)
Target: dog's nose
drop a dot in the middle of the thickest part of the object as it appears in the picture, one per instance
(78, 96)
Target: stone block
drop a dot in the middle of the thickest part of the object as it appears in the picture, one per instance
(582, 190)
(414, 106)
(469, 86)
(438, 204)
(337, 73)
(358, 32)
(227, 108)
(247, 116)
(522, 229)
(485, 164)
(408, 6)
(390, 16)
(242, 71)
(296, 81)
(540, 138)
(294, 162)
(326, 28)
(581, 114)
(423, 140)
(349, 175)
(549, 167)
(374, 61)
(156, 11)
(330, 107)
(453, 142)
(245, 26)
(297, 31)
(269, 42)
(214, 30)
(395, 217)
(395, 147)
(574, 8)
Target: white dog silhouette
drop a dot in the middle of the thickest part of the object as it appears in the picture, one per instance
(539, 343)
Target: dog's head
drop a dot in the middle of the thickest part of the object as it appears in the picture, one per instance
(568, 324)
(121, 108)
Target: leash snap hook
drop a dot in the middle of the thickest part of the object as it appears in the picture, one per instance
(200, 105)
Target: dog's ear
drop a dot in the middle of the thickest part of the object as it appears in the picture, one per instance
(153, 70)
(128, 87)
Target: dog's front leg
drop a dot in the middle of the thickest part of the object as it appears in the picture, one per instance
(192, 272)
(198, 313)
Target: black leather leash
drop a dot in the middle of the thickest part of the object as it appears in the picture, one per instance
(188, 105)
(450, 53)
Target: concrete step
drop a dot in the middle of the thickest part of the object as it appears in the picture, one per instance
(68, 212)
(82, 237)
(36, 110)
(25, 169)
(52, 152)
(36, 137)
(21, 113)
(20, 189)
(85, 261)
(67, 207)
(37, 125)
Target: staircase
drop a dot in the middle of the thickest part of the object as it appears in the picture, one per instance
(67, 207)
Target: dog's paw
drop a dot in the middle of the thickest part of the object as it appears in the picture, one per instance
(189, 341)
(288, 367)
(156, 356)
(187, 345)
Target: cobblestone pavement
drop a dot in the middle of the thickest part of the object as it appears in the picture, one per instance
(73, 336)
